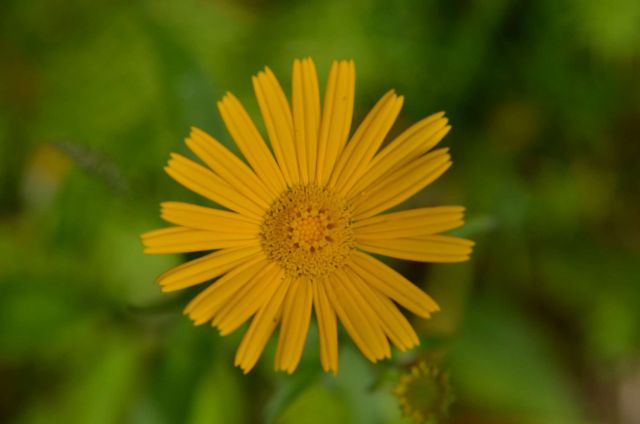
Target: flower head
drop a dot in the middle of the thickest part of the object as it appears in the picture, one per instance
(424, 393)
(301, 216)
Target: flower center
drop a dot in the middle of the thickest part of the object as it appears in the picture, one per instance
(307, 230)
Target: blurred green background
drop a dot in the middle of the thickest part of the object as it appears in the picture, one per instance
(542, 326)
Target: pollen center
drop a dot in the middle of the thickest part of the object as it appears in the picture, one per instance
(307, 230)
(310, 229)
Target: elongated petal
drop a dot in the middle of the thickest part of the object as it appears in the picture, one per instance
(251, 297)
(361, 304)
(414, 222)
(392, 284)
(415, 140)
(408, 146)
(251, 144)
(208, 303)
(433, 248)
(358, 318)
(204, 182)
(306, 116)
(394, 324)
(296, 315)
(355, 158)
(278, 121)
(203, 218)
(327, 326)
(227, 165)
(346, 321)
(261, 328)
(206, 268)
(336, 117)
(182, 239)
(402, 184)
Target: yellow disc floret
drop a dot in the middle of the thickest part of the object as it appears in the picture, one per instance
(307, 230)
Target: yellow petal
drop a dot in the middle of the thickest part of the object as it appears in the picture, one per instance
(405, 148)
(261, 328)
(204, 182)
(208, 303)
(392, 284)
(354, 161)
(415, 140)
(203, 218)
(306, 116)
(401, 185)
(394, 324)
(182, 239)
(251, 144)
(358, 318)
(251, 297)
(345, 319)
(296, 314)
(431, 248)
(414, 222)
(336, 117)
(227, 165)
(206, 268)
(327, 326)
(278, 121)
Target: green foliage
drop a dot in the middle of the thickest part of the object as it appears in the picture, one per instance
(544, 98)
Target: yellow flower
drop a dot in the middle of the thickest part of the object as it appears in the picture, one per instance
(298, 227)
